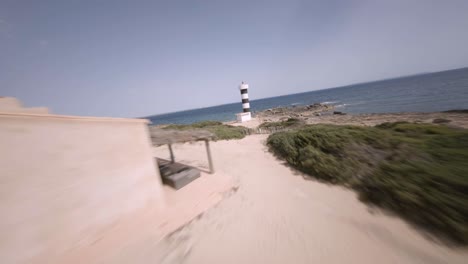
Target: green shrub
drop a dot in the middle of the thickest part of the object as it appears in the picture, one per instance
(417, 170)
(220, 130)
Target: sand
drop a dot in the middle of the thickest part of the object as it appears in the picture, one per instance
(277, 216)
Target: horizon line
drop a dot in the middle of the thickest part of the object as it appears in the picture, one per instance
(320, 89)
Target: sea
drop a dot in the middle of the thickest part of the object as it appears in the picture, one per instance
(430, 92)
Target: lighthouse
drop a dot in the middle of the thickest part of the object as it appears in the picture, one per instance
(245, 115)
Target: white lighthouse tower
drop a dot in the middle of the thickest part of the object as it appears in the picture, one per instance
(245, 115)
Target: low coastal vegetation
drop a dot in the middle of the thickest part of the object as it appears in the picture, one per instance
(419, 171)
(289, 123)
(220, 131)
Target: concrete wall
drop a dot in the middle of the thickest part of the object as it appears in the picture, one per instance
(65, 179)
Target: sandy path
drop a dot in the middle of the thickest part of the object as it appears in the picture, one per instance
(278, 217)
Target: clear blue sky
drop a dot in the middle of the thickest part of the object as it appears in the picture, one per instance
(137, 58)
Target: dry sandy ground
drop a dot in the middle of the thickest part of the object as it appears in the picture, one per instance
(456, 119)
(276, 216)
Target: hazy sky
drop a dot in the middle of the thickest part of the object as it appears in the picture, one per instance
(137, 58)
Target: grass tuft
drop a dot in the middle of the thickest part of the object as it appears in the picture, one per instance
(220, 130)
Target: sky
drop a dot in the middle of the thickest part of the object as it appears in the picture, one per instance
(139, 58)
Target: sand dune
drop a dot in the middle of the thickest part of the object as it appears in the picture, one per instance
(277, 216)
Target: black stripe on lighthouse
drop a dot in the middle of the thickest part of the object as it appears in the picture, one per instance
(246, 115)
(245, 101)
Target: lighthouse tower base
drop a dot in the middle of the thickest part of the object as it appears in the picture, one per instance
(243, 117)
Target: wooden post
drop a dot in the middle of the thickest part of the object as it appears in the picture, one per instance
(210, 161)
(172, 153)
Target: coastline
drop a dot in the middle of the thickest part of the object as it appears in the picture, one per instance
(450, 118)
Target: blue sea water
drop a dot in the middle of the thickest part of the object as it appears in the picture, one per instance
(430, 92)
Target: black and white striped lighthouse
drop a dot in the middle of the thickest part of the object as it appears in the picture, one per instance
(245, 97)
(245, 115)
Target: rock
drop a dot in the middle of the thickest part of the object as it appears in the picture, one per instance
(317, 114)
(338, 113)
(312, 106)
(458, 111)
(295, 111)
(441, 121)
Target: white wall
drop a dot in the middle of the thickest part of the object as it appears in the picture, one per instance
(13, 105)
(63, 179)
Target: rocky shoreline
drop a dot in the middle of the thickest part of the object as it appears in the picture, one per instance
(327, 114)
(301, 112)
